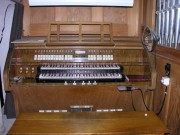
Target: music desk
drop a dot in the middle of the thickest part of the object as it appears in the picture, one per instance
(88, 123)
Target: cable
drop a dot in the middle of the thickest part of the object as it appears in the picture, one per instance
(162, 105)
(143, 99)
(131, 89)
(132, 101)
(4, 23)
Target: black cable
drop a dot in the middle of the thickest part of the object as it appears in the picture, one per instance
(4, 23)
(162, 105)
(132, 101)
(143, 99)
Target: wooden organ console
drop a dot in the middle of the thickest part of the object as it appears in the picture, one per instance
(80, 64)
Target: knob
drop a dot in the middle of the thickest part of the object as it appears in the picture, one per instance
(83, 83)
(89, 83)
(27, 69)
(65, 83)
(94, 83)
(20, 69)
(74, 83)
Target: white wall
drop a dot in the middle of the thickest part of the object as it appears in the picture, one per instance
(4, 45)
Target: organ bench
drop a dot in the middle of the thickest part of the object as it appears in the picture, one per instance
(88, 123)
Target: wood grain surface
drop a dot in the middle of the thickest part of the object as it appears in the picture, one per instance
(112, 123)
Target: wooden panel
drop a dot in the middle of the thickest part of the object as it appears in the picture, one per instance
(167, 53)
(173, 118)
(58, 97)
(149, 13)
(26, 18)
(133, 19)
(39, 29)
(61, 13)
(89, 123)
(171, 114)
(78, 14)
(97, 14)
(120, 29)
(171, 110)
(73, 14)
(42, 14)
(118, 16)
(128, 19)
(115, 15)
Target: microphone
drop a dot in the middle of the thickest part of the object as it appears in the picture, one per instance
(126, 88)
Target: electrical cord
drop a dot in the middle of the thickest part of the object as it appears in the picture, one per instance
(132, 101)
(165, 92)
(142, 95)
(131, 89)
(162, 105)
(4, 23)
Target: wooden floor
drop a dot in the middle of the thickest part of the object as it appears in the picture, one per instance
(70, 123)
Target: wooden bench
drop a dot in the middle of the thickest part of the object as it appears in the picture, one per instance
(86, 123)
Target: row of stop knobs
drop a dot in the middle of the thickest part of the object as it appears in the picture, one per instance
(83, 83)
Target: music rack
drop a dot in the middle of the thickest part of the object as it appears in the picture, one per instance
(85, 33)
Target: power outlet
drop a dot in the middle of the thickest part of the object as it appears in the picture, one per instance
(166, 79)
(167, 69)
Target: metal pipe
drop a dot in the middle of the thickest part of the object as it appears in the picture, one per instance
(158, 17)
(167, 22)
(163, 23)
(171, 22)
(177, 23)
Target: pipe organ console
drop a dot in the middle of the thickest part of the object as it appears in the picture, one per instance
(79, 71)
(68, 66)
(51, 76)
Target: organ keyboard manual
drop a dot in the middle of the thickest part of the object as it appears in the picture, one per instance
(79, 63)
